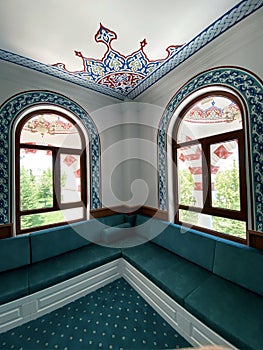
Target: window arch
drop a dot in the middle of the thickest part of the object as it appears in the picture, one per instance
(210, 176)
(50, 170)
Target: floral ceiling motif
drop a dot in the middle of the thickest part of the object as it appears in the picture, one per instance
(114, 70)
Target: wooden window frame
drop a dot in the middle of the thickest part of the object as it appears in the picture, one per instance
(55, 153)
(208, 209)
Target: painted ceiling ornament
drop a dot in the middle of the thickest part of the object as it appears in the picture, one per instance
(214, 114)
(114, 70)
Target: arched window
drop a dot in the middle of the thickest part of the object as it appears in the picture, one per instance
(50, 171)
(210, 181)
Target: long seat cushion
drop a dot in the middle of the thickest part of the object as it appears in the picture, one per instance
(15, 258)
(13, 284)
(111, 234)
(59, 268)
(173, 274)
(230, 310)
(240, 264)
(190, 244)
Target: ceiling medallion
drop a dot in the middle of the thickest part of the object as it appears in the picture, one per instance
(114, 70)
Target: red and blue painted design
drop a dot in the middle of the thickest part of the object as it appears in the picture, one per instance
(114, 70)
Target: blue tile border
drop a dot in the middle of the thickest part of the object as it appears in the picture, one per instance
(225, 22)
(10, 110)
(221, 25)
(58, 73)
(250, 88)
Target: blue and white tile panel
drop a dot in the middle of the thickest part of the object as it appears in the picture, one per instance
(251, 89)
(9, 112)
(235, 15)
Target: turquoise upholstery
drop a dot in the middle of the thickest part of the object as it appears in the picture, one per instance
(192, 245)
(14, 252)
(13, 284)
(113, 220)
(230, 310)
(240, 264)
(130, 218)
(173, 274)
(144, 226)
(55, 241)
(59, 268)
(111, 234)
(218, 281)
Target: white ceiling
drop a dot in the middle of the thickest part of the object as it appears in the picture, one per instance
(49, 31)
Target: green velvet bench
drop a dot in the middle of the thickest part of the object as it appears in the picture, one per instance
(218, 281)
(61, 253)
(14, 266)
(35, 261)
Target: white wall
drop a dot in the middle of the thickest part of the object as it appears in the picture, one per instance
(240, 46)
(128, 130)
(103, 109)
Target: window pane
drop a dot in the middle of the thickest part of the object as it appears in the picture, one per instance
(190, 186)
(227, 226)
(36, 179)
(211, 116)
(225, 182)
(70, 178)
(50, 129)
(36, 220)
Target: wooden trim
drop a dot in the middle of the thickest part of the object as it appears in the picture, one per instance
(101, 212)
(144, 210)
(6, 230)
(255, 239)
(157, 213)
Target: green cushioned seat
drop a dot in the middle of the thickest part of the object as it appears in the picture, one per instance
(192, 245)
(13, 284)
(111, 234)
(112, 220)
(55, 241)
(15, 259)
(59, 268)
(230, 310)
(173, 274)
(240, 264)
(14, 252)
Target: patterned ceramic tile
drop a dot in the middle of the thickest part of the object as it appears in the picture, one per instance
(251, 89)
(9, 112)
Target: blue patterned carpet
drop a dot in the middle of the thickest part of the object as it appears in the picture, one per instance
(113, 317)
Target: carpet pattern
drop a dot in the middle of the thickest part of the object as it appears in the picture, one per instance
(112, 317)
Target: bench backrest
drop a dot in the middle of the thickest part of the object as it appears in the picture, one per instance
(239, 264)
(14, 252)
(55, 241)
(192, 245)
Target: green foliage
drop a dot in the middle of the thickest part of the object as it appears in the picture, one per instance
(37, 192)
(227, 197)
(28, 197)
(227, 189)
(186, 186)
(45, 189)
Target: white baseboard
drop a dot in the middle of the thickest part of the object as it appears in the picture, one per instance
(194, 331)
(22, 310)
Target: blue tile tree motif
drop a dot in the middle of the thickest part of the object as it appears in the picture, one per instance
(250, 89)
(8, 113)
